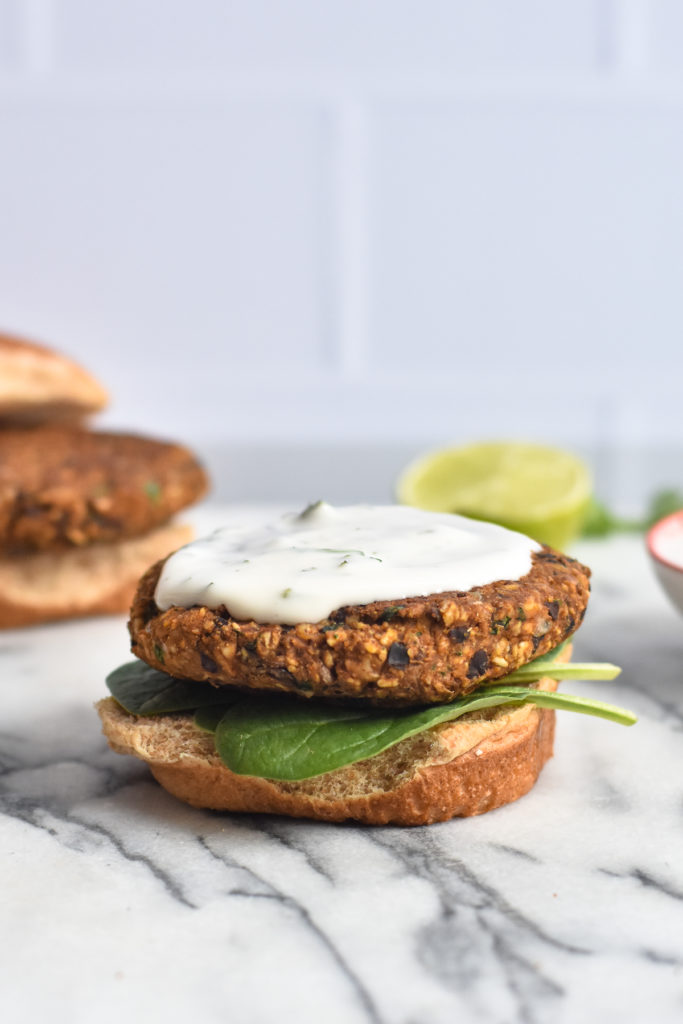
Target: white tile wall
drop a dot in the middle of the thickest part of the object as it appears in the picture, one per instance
(665, 31)
(342, 36)
(10, 34)
(381, 222)
(174, 243)
(527, 237)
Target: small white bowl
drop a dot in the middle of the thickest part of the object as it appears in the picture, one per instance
(665, 546)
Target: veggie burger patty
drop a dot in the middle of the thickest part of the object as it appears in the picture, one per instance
(416, 650)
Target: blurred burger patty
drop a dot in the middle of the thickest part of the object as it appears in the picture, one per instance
(63, 488)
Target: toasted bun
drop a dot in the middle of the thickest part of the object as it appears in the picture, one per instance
(38, 385)
(475, 764)
(95, 580)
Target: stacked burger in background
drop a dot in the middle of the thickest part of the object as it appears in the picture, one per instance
(82, 512)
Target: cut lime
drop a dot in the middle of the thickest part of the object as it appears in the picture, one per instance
(542, 492)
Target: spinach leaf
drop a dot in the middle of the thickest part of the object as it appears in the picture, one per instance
(207, 718)
(535, 670)
(143, 690)
(289, 740)
(548, 665)
(275, 739)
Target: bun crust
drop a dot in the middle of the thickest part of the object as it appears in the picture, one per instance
(96, 580)
(467, 767)
(38, 385)
(499, 771)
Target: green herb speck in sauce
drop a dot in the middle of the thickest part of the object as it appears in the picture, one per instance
(310, 509)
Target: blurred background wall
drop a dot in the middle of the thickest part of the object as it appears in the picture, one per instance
(354, 226)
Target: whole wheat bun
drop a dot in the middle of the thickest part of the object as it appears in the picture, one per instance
(38, 385)
(475, 764)
(96, 580)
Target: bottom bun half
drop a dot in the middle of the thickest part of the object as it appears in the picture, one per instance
(480, 762)
(99, 579)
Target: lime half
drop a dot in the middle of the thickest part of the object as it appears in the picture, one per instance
(542, 492)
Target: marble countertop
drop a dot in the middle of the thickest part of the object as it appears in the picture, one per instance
(117, 902)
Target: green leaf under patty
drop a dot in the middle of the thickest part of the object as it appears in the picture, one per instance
(274, 739)
(207, 718)
(561, 670)
(285, 739)
(143, 690)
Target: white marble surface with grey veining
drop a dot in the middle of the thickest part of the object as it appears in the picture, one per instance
(117, 902)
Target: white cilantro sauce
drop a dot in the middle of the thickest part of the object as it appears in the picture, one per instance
(303, 567)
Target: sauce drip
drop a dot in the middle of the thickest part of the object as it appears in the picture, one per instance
(303, 567)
